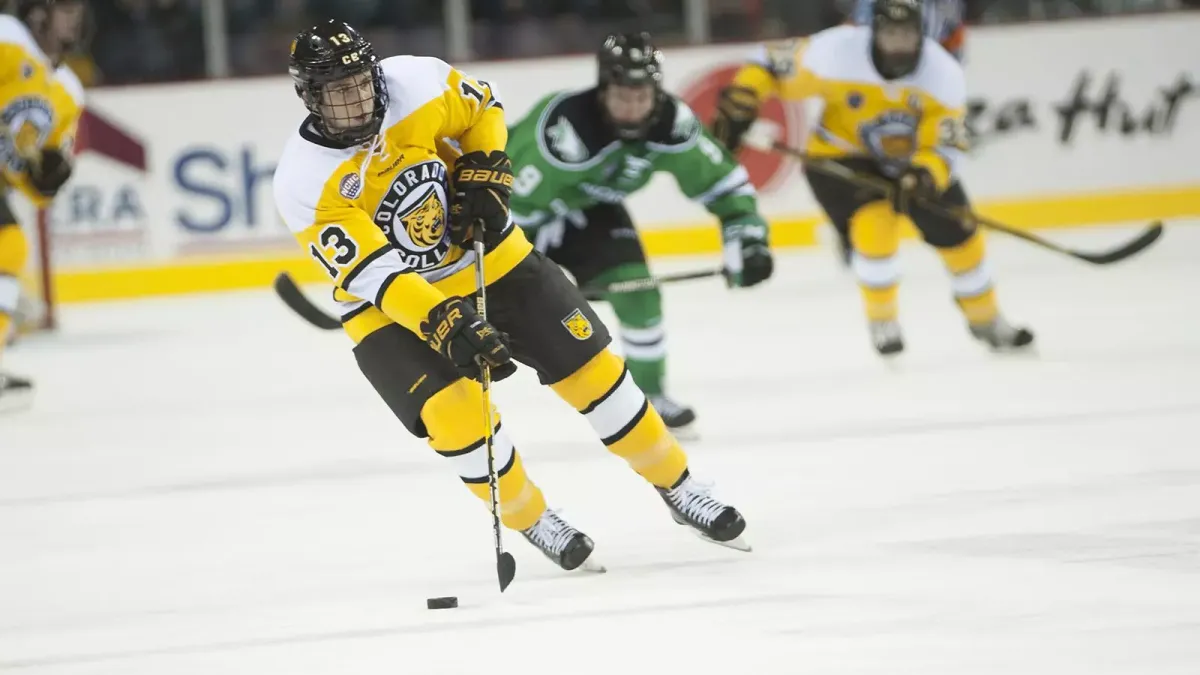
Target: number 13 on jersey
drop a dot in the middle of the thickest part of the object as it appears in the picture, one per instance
(337, 250)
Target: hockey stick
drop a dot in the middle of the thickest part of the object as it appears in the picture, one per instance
(632, 285)
(506, 565)
(1132, 247)
(288, 291)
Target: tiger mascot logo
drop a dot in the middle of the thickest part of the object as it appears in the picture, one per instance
(426, 222)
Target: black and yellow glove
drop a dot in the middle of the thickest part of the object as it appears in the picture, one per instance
(455, 331)
(913, 183)
(50, 172)
(481, 184)
(737, 108)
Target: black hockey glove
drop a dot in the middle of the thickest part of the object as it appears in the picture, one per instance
(456, 332)
(482, 183)
(737, 108)
(50, 172)
(914, 183)
(747, 254)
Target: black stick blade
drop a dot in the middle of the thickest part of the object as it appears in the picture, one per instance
(1137, 245)
(506, 569)
(294, 298)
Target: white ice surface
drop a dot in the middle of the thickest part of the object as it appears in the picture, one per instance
(208, 486)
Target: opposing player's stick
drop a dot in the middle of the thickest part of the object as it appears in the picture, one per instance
(506, 565)
(598, 292)
(289, 291)
(1144, 239)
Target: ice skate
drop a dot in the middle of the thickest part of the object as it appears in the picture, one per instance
(15, 393)
(691, 504)
(566, 546)
(1000, 335)
(886, 337)
(679, 418)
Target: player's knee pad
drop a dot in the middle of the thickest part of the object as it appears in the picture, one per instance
(14, 250)
(873, 230)
(14, 253)
(454, 417)
(876, 238)
(639, 313)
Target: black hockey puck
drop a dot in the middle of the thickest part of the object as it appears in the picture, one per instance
(449, 602)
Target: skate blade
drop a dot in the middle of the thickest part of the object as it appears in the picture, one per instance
(737, 543)
(591, 566)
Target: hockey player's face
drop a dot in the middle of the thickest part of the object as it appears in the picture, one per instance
(629, 105)
(66, 22)
(348, 102)
(898, 41)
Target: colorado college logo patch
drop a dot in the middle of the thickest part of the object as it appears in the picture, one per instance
(412, 213)
(28, 121)
(578, 325)
(351, 186)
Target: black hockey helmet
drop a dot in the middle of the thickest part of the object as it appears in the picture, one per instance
(897, 37)
(338, 76)
(631, 60)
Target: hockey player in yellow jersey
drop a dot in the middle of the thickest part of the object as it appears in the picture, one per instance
(399, 165)
(40, 105)
(886, 102)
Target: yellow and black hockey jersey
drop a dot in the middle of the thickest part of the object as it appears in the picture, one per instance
(40, 106)
(851, 110)
(375, 216)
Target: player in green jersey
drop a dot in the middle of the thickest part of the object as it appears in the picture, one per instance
(577, 156)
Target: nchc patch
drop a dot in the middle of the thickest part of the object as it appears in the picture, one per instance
(351, 186)
(578, 325)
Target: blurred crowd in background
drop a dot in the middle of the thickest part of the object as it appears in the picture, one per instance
(138, 41)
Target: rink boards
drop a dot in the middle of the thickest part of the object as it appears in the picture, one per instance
(1080, 123)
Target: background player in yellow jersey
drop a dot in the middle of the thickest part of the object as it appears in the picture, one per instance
(887, 102)
(40, 105)
(398, 167)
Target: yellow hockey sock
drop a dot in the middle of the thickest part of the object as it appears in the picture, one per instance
(14, 252)
(454, 419)
(604, 392)
(971, 279)
(876, 239)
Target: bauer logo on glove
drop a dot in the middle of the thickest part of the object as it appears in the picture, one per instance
(489, 177)
(467, 340)
(482, 183)
(447, 322)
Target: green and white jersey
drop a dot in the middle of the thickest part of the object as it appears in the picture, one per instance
(566, 158)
